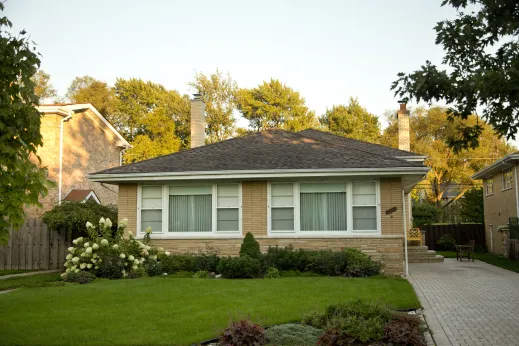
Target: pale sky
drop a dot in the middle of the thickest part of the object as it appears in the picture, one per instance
(327, 50)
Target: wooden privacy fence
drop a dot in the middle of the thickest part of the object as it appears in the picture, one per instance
(34, 246)
(461, 232)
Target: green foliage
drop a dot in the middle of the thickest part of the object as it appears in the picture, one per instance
(292, 334)
(274, 105)
(188, 262)
(239, 267)
(111, 265)
(472, 206)
(87, 89)
(349, 262)
(81, 277)
(243, 332)
(286, 258)
(362, 321)
(430, 129)
(154, 268)
(446, 243)
(297, 273)
(43, 87)
(425, 214)
(201, 274)
(352, 121)
(22, 181)
(272, 273)
(156, 121)
(404, 329)
(71, 217)
(481, 54)
(218, 92)
(250, 247)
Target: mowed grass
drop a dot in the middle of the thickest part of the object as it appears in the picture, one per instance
(498, 261)
(165, 311)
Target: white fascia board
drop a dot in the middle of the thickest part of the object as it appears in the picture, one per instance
(296, 173)
(412, 158)
(500, 164)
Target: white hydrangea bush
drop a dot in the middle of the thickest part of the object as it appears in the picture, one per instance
(88, 254)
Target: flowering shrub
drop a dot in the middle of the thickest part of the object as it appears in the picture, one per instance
(107, 254)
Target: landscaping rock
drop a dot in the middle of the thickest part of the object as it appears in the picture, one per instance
(211, 275)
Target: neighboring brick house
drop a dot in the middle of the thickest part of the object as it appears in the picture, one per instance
(310, 189)
(500, 200)
(85, 142)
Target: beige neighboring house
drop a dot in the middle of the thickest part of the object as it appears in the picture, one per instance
(501, 200)
(310, 189)
(77, 140)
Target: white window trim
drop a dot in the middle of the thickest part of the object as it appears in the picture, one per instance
(165, 234)
(297, 233)
(503, 181)
(486, 187)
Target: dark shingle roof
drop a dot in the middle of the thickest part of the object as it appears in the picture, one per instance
(273, 149)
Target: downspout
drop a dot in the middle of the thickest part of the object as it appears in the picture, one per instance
(406, 271)
(516, 192)
(65, 119)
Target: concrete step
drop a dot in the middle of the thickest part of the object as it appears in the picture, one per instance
(434, 259)
(417, 248)
(429, 253)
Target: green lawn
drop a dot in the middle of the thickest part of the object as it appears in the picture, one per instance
(16, 271)
(176, 311)
(31, 281)
(498, 261)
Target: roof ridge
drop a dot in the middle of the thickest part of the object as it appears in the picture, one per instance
(359, 150)
(358, 140)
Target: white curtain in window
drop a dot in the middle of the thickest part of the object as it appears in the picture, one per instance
(324, 211)
(190, 213)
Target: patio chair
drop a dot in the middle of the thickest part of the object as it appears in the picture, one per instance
(465, 250)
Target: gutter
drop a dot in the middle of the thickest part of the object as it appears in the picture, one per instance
(247, 174)
(504, 161)
(65, 119)
(516, 192)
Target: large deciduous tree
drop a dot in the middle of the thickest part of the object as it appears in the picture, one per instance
(352, 121)
(22, 181)
(482, 55)
(153, 119)
(429, 129)
(43, 87)
(274, 105)
(87, 89)
(218, 91)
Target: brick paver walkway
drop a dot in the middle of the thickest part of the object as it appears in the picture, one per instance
(468, 303)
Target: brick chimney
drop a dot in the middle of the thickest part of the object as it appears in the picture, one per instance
(197, 121)
(404, 143)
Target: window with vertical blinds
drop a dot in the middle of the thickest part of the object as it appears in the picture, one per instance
(323, 207)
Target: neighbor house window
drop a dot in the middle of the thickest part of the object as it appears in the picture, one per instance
(507, 179)
(151, 208)
(489, 186)
(324, 208)
(195, 209)
(282, 207)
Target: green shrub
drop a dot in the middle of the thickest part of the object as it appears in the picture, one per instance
(80, 277)
(360, 265)
(446, 243)
(239, 267)
(287, 258)
(154, 268)
(272, 273)
(178, 262)
(110, 266)
(292, 334)
(250, 247)
(71, 217)
(243, 333)
(404, 329)
(207, 262)
(201, 274)
(329, 263)
(363, 321)
(181, 275)
(297, 273)
(425, 214)
(136, 273)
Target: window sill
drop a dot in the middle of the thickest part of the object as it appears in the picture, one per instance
(328, 235)
(489, 194)
(162, 236)
(508, 188)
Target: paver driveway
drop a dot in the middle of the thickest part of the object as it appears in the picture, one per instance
(468, 303)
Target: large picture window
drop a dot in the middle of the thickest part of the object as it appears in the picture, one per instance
(324, 208)
(194, 209)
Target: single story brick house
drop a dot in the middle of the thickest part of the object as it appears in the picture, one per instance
(310, 189)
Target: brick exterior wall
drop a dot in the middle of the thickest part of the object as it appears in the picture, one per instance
(388, 247)
(88, 146)
(498, 207)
